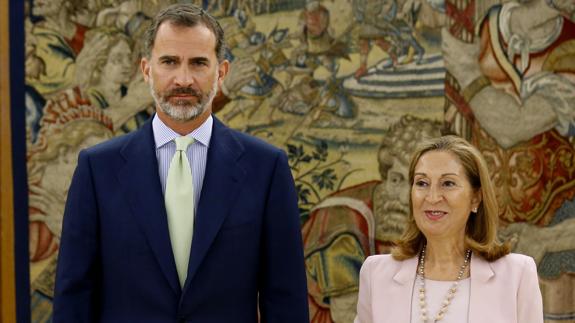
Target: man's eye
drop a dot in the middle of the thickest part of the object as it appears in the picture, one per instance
(168, 62)
(397, 179)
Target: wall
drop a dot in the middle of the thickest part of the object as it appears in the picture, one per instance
(347, 88)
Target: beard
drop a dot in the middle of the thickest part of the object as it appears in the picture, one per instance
(184, 110)
(391, 217)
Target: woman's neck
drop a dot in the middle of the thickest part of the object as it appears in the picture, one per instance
(111, 91)
(443, 259)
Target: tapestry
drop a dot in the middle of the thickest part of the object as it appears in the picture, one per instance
(347, 88)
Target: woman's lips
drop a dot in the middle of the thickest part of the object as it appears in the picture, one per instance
(435, 215)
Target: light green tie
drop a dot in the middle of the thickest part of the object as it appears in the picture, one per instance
(179, 199)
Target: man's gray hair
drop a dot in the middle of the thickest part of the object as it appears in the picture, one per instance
(185, 15)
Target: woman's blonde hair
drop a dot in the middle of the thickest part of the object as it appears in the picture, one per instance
(481, 229)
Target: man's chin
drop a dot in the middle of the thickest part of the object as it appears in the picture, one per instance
(391, 225)
(184, 116)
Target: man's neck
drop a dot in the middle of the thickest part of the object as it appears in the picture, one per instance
(184, 127)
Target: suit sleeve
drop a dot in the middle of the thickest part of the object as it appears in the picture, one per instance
(283, 289)
(529, 302)
(77, 274)
(364, 296)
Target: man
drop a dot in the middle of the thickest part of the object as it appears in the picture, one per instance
(314, 23)
(379, 23)
(360, 221)
(125, 252)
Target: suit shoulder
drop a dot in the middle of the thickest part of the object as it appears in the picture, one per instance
(515, 262)
(380, 261)
(383, 267)
(110, 146)
(516, 258)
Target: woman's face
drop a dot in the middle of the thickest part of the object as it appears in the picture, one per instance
(118, 68)
(442, 196)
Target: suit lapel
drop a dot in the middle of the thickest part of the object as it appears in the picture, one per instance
(480, 272)
(139, 179)
(221, 186)
(400, 302)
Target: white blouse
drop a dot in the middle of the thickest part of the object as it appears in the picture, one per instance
(435, 293)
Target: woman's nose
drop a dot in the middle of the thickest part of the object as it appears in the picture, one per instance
(434, 195)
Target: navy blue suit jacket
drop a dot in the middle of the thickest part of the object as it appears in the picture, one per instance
(116, 262)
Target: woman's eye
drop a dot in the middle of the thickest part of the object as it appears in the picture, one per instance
(420, 183)
(449, 183)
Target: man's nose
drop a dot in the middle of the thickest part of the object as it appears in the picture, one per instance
(184, 77)
(403, 191)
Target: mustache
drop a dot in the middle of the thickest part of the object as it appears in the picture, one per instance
(395, 206)
(184, 90)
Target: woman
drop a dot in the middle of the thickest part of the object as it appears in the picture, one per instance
(111, 83)
(448, 266)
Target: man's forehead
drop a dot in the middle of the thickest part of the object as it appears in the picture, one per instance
(175, 38)
(169, 30)
(399, 165)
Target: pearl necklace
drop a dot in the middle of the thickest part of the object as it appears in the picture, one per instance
(450, 292)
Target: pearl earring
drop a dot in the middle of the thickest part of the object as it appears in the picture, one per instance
(474, 210)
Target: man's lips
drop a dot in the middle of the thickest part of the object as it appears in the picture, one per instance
(434, 215)
(185, 97)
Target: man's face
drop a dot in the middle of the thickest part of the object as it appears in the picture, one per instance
(312, 5)
(387, 5)
(183, 71)
(47, 8)
(392, 219)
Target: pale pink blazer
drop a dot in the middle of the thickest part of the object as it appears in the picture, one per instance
(503, 291)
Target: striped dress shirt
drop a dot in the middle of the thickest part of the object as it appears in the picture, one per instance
(197, 152)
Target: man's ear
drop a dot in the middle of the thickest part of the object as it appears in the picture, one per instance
(223, 69)
(145, 68)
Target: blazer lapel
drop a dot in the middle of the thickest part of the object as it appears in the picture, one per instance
(480, 273)
(221, 186)
(140, 181)
(401, 295)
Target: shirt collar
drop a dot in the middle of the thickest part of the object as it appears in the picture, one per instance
(164, 134)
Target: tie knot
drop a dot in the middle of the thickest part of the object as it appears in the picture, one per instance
(183, 142)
